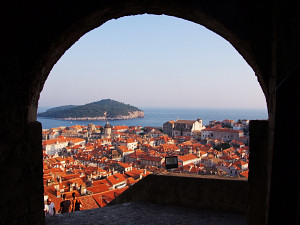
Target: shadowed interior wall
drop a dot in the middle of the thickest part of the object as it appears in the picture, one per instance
(259, 172)
(200, 192)
(35, 34)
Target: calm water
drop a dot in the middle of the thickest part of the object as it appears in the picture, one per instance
(157, 116)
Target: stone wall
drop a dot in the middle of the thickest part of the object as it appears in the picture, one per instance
(35, 34)
(200, 192)
(259, 172)
(21, 177)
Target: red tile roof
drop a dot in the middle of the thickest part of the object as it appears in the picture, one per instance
(187, 157)
(60, 139)
(98, 188)
(104, 198)
(88, 202)
(244, 173)
(124, 165)
(116, 179)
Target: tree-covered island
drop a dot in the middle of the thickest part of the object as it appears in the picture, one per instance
(105, 109)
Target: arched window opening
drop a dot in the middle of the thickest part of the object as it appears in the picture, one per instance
(196, 91)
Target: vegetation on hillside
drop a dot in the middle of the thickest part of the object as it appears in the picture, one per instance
(112, 109)
(59, 108)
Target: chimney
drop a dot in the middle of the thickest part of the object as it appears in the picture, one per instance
(190, 149)
(82, 190)
(58, 194)
(56, 186)
(70, 187)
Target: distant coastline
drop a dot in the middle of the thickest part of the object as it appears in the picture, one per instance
(132, 115)
(155, 117)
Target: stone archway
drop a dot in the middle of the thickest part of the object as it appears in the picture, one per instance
(97, 17)
(38, 33)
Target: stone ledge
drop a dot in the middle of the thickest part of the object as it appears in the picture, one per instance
(198, 192)
(143, 213)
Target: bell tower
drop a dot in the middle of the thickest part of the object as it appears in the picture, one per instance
(107, 130)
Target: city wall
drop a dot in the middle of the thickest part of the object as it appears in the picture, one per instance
(200, 192)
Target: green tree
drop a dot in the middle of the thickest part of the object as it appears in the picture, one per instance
(222, 146)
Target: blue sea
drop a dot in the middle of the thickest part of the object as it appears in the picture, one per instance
(156, 117)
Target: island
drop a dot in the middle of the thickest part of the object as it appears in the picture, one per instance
(105, 109)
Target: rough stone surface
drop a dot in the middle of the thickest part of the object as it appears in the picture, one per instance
(198, 192)
(37, 33)
(141, 213)
(258, 172)
(22, 173)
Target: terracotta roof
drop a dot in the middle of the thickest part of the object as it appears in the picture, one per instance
(78, 181)
(222, 130)
(151, 158)
(131, 181)
(240, 163)
(75, 140)
(116, 178)
(124, 165)
(134, 173)
(60, 139)
(187, 157)
(118, 127)
(244, 173)
(98, 188)
(88, 202)
(100, 182)
(185, 121)
(104, 198)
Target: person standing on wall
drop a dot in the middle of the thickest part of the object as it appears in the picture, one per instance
(49, 208)
(76, 203)
(65, 205)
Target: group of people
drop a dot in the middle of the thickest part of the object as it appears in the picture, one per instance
(65, 206)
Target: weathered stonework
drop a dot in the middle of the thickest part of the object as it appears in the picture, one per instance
(194, 191)
(259, 172)
(35, 34)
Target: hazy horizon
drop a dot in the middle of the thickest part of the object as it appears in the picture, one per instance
(44, 108)
(153, 61)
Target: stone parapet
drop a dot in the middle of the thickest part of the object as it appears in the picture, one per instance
(199, 192)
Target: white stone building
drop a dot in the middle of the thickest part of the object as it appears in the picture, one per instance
(221, 133)
(186, 127)
(54, 146)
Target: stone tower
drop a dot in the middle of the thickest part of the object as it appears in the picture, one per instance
(107, 130)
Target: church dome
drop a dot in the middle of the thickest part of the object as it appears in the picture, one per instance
(107, 125)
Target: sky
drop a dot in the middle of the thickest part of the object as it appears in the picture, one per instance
(153, 61)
